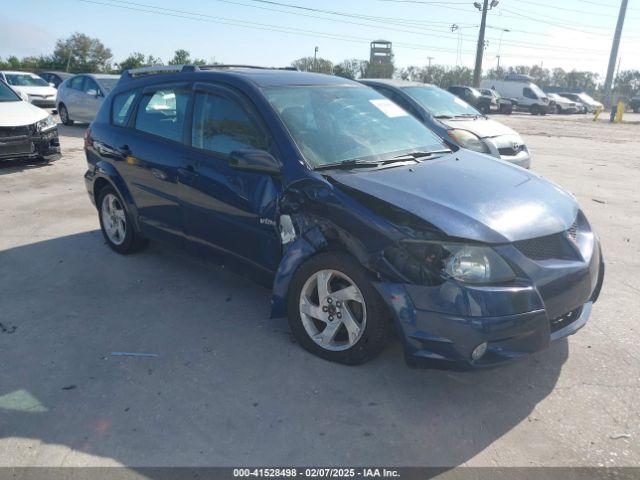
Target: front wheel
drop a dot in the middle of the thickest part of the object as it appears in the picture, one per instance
(535, 110)
(334, 310)
(116, 225)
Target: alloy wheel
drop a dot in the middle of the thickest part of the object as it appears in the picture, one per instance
(332, 310)
(114, 220)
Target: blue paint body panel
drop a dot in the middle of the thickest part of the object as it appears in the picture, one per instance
(194, 199)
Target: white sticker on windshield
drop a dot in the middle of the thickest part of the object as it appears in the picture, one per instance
(460, 102)
(389, 108)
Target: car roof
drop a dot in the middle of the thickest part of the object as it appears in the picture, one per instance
(100, 75)
(394, 83)
(262, 77)
(17, 71)
(57, 72)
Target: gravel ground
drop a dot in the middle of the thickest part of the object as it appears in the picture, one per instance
(229, 387)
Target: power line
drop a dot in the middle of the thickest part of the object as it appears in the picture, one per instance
(255, 25)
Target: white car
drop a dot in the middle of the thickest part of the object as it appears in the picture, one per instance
(25, 130)
(80, 96)
(563, 105)
(37, 90)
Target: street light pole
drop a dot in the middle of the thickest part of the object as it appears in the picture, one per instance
(315, 59)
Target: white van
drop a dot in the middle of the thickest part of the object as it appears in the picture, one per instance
(527, 94)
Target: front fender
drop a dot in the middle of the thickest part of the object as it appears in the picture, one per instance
(298, 252)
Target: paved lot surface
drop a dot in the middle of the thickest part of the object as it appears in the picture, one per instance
(229, 387)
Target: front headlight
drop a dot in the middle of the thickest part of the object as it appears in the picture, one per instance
(468, 140)
(466, 263)
(46, 124)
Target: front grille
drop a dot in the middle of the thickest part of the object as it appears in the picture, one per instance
(573, 230)
(564, 320)
(510, 151)
(7, 132)
(545, 248)
(16, 148)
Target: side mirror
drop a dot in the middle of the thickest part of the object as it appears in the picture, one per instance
(51, 84)
(257, 161)
(93, 92)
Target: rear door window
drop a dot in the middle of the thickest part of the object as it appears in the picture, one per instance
(121, 106)
(76, 83)
(162, 113)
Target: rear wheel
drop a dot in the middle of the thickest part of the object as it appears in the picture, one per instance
(64, 115)
(334, 310)
(115, 223)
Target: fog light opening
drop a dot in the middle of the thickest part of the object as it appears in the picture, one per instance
(479, 351)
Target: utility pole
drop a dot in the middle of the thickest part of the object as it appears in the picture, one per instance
(614, 53)
(477, 72)
(430, 58)
(315, 59)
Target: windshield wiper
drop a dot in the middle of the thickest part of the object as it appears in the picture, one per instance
(418, 154)
(443, 116)
(347, 165)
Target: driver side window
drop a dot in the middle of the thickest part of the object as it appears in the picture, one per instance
(221, 125)
(527, 92)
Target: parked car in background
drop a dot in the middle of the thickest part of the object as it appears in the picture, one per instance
(55, 78)
(503, 105)
(474, 98)
(25, 130)
(634, 104)
(588, 103)
(454, 120)
(356, 213)
(38, 91)
(559, 104)
(80, 96)
(528, 95)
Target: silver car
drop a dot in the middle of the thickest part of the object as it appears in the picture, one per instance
(80, 96)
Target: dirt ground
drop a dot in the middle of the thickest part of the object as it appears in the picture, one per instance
(229, 387)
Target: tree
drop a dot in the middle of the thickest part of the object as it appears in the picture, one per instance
(183, 57)
(440, 75)
(627, 83)
(137, 60)
(311, 64)
(351, 68)
(81, 53)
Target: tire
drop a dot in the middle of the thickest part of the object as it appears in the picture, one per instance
(361, 307)
(64, 115)
(558, 109)
(535, 110)
(117, 229)
(486, 109)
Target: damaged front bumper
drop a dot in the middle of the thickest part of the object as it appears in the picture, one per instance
(28, 142)
(444, 325)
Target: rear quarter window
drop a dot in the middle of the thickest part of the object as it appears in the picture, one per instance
(121, 106)
(162, 113)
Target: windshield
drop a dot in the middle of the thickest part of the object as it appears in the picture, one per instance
(536, 89)
(8, 95)
(107, 83)
(25, 80)
(586, 98)
(335, 124)
(440, 103)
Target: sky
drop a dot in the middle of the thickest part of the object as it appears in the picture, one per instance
(568, 33)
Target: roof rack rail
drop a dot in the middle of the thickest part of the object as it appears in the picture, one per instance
(159, 69)
(258, 67)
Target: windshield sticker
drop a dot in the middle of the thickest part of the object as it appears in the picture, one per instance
(389, 108)
(460, 102)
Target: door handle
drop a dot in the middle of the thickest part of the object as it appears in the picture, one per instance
(188, 171)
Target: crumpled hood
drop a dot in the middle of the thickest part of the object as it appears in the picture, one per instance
(42, 91)
(470, 195)
(17, 114)
(482, 127)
